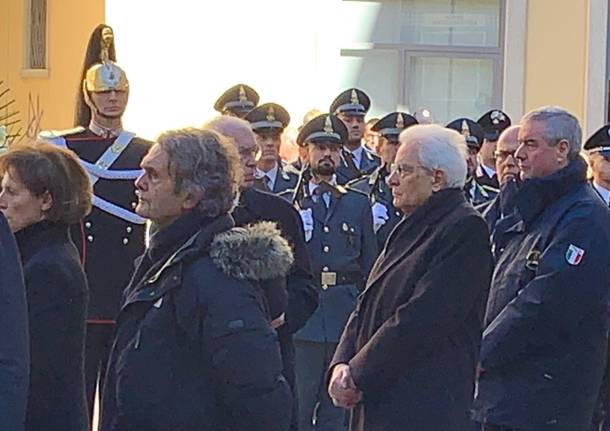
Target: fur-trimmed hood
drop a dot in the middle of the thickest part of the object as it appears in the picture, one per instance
(255, 252)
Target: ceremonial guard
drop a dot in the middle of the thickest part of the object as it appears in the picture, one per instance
(112, 235)
(339, 234)
(476, 193)
(351, 107)
(493, 122)
(375, 185)
(237, 101)
(268, 122)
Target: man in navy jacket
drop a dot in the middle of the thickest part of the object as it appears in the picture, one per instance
(544, 349)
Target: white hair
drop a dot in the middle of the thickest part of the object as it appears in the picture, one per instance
(440, 149)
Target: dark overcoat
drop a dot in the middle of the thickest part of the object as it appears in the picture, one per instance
(413, 340)
(14, 345)
(57, 302)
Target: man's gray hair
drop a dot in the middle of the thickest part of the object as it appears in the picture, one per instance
(439, 149)
(559, 125)
(203, 160)
(231, 127)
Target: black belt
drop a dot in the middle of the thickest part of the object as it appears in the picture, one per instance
(333, 278)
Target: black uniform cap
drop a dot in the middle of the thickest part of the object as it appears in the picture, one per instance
(470, 130)
(239, 100)
(392, 124)
(323, 128)
(268, 118)
(493, 123)
(351, 102)
(599, 142)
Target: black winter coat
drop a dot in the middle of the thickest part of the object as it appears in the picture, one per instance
(544, 350)
(194, 350)
(14, 343)
(412, 342)
(57, 303)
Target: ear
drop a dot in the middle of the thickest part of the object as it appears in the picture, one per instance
(439, 180)
(46, 201)
(192, 198)
(563, 149)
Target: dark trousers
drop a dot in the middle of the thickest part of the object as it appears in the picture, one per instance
(97, 349)
(316, 410)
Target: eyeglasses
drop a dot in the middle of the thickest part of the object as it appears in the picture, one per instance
(503, 155)
(406, 170)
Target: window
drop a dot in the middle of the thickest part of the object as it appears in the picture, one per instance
(36, 37)
(444, 55)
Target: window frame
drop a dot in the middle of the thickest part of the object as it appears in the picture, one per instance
(27, 71)
(407, 51)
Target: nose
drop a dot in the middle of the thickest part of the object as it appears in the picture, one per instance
(520, 153)
(393, 178)
(3, 204)
(140, 182)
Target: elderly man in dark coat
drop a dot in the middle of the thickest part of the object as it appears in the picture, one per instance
(408, 354)
(14, 345)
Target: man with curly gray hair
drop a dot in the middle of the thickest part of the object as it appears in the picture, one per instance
(194, 349)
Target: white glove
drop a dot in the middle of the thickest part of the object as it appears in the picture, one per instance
(380, 215)
(307, 218)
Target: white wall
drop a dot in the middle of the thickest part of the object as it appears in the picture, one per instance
(180, 55)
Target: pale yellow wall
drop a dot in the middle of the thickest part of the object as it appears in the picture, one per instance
(70, 23)
(555, 64)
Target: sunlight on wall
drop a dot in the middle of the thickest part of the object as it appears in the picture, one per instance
(181, 55)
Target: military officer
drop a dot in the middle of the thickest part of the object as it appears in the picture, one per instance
(474, 135)
(268, 122)
(385, 215)
(351, 107)
(112, 236)
(493, 122)
(237, 101)
(338, 230)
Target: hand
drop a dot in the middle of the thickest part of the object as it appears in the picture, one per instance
(342, 388)
(278, 321)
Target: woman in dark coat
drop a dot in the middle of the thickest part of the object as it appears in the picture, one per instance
(44, 190)
(407, 357)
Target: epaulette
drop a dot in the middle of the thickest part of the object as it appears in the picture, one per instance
(352, 189)
(289, 169)
(52, 134)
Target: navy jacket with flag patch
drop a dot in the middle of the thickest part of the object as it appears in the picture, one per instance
(544, 348)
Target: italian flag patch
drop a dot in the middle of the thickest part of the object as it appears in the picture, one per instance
(574, 255)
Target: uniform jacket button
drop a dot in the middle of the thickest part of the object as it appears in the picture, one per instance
(128, 229)
(326, 249)
(90, 238)
(326, 229)
(88, 224)
(125, 241)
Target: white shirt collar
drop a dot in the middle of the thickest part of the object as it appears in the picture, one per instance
(603, 192)
(485, 170)
(104, 132)
(313, 186)
(271, 174)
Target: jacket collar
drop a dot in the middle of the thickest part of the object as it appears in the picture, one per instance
(536, 194)
(406, 234)
(33, 237)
